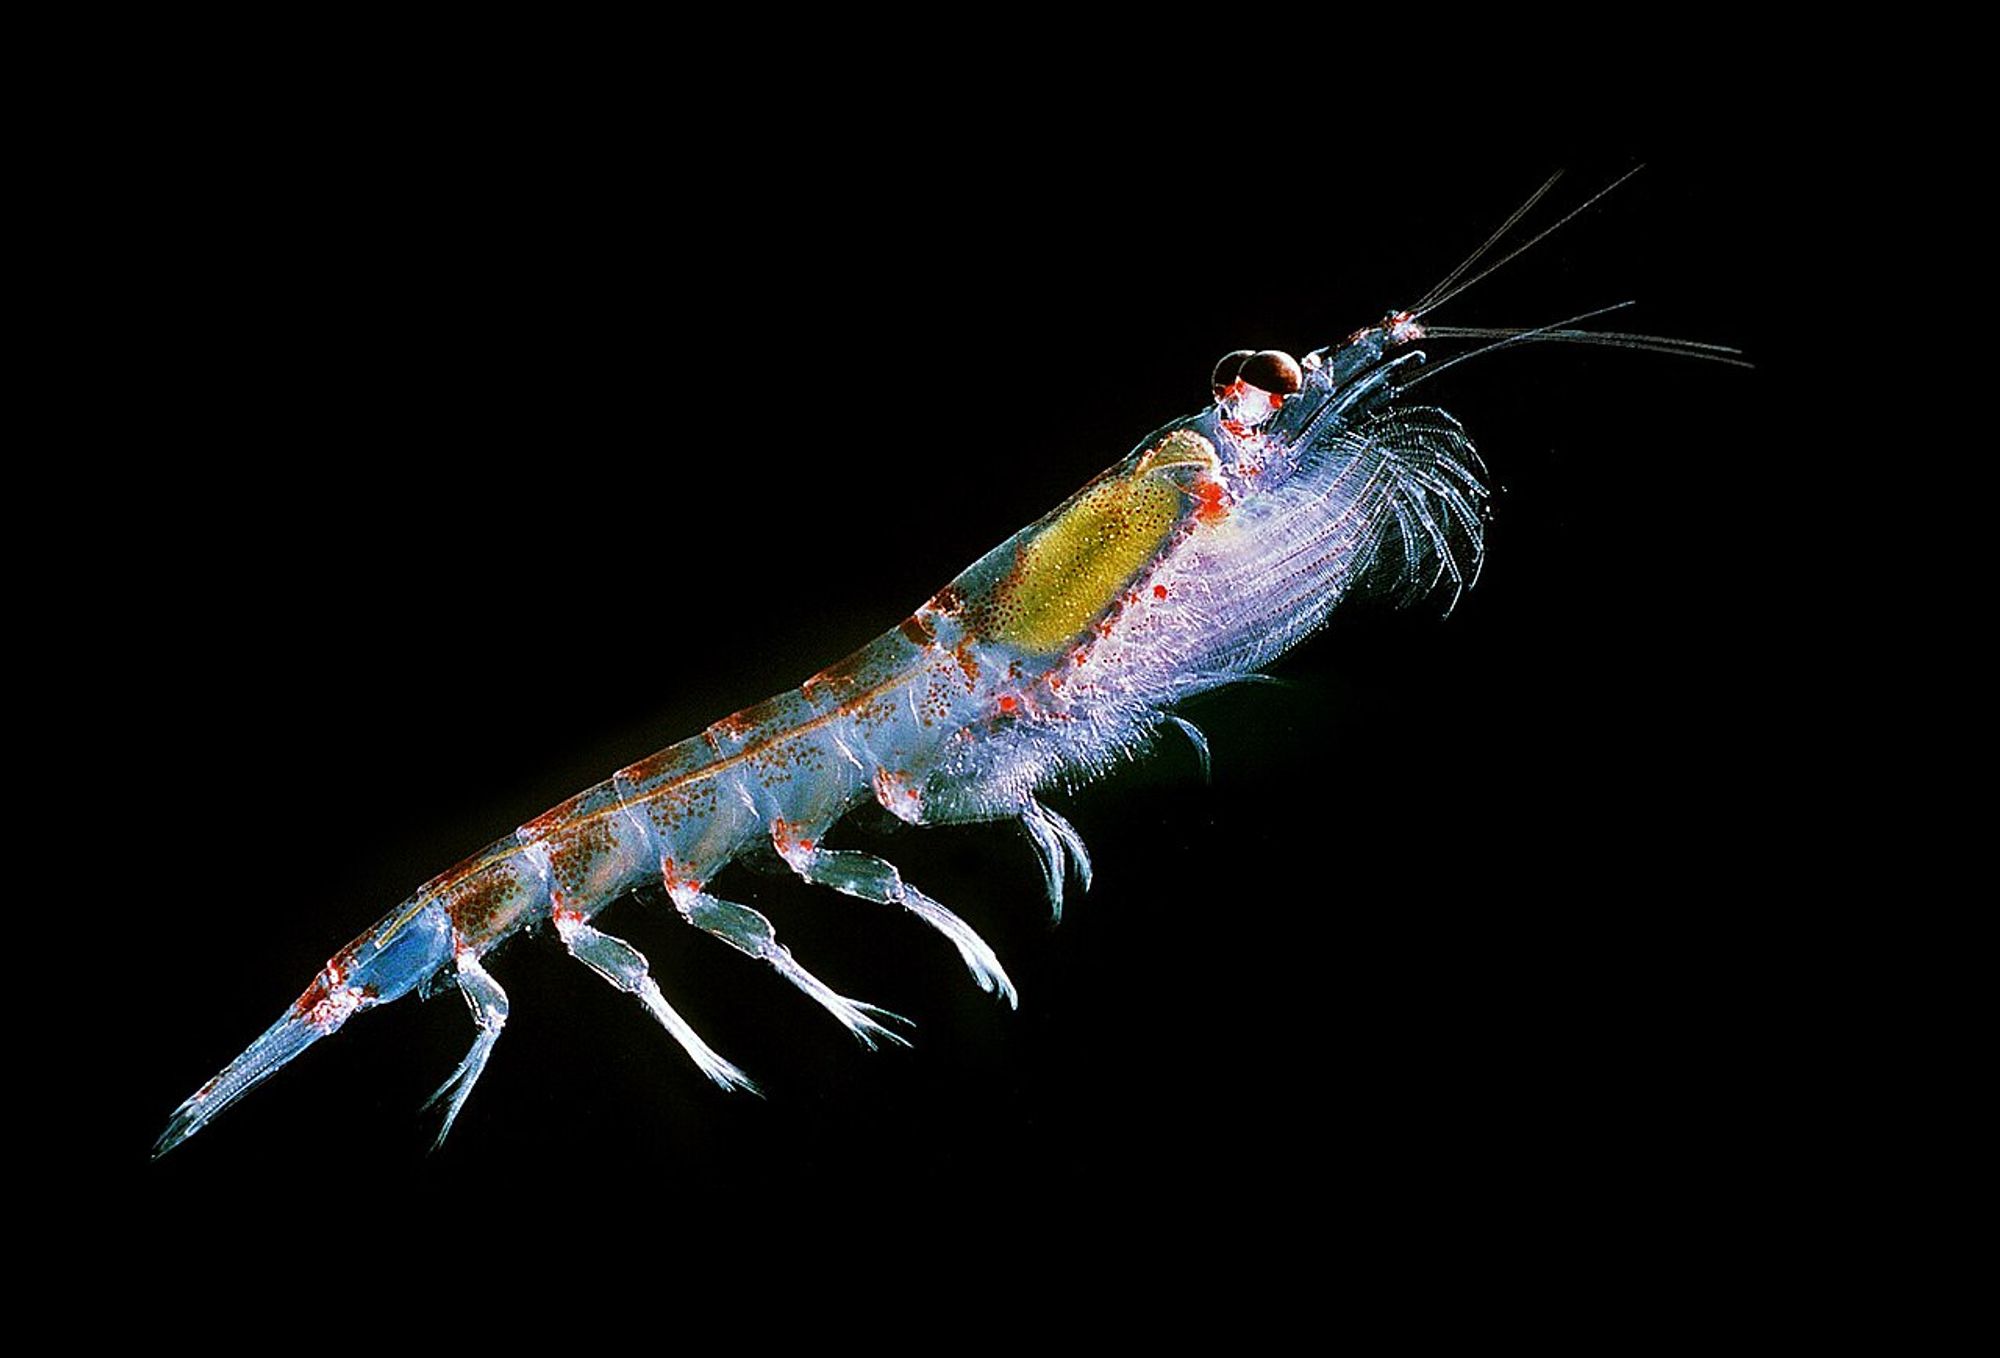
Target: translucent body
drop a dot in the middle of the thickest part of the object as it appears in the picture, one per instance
(1212, 547)
(1216, 544)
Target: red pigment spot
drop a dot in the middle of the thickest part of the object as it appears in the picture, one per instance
(673, 877)
(782, 834)
(1008, 702)
(1234, 426)
(328, 1002)
(321, 989)
(1159, 591)
(553, 817)
(888, 781)
(1211, 508)
(1276, 400)
(315, 992)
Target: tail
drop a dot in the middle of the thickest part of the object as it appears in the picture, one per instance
(384, 964)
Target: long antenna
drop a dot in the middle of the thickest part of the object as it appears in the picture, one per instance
(1609, 339)
(1517, 338)
(1434, 302)
(1430, 298)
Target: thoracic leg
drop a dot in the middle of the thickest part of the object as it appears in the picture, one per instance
(488, 1003)
(749, 932)
(1196, 739)
(871, 879)
(625, 967)
(1059, 847)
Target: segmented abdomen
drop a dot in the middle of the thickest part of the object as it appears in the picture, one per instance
(870, 724)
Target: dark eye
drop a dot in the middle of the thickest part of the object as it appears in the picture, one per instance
(1272, 370)
(1225, 371)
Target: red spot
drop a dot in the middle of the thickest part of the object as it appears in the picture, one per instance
(1159, 591)
(1008, 702)
(1276, 400)
(888, 781)
(315, 995)
(672, 875)
(328, 1000)
(1234, 426)
(553, 817)
(782, 836)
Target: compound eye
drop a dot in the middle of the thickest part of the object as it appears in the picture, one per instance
(1226, 370)
(1272, 370)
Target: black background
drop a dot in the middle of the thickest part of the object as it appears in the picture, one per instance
(485, 464)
